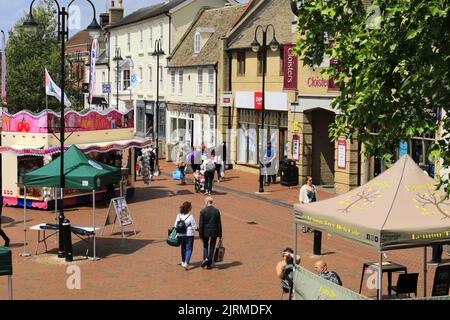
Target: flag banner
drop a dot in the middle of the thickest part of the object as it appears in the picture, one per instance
(51, 89)
(134, 79)
(92, 77)
(3, 48)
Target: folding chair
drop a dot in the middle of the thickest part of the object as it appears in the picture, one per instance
(406, 284)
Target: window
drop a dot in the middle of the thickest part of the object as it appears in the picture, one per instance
(197, 42)
(260, 64)
(129, 42)
(150, 37)
(161, 78)
(140, 73)
(161, 35)
(199, 81)
(150, 78)
(180, 82)
(210, 82)
(126, 79)
(141, 40)
(281, 61)
(172, 82)
(241, 63)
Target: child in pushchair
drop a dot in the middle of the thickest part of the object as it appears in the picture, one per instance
(199, 181)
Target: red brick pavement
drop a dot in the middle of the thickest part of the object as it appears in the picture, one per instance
(146, 267)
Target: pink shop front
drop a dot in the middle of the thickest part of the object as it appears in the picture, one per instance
(30, 141)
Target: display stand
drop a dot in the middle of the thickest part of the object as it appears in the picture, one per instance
(118, 210)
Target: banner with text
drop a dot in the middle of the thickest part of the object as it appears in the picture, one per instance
(290, 68)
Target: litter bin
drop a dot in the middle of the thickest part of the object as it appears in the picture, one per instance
(289, 173)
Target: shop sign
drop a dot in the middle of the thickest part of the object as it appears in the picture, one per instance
(258, 101)
(296, 126)
(106, 88)
(290, 68)
(296, 147)
(318, 82)
(342, 154)
(226, 99)
(276, 101)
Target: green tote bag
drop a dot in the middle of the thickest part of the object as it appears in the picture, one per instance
(172, 238)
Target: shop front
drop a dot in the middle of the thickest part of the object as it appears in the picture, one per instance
(249, 140)
(29, 142)
(192, 125)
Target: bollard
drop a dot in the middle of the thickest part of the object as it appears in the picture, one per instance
(317, 247)
(67, 236)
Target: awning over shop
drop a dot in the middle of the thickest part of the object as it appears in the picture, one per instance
(191, 108)
(398, 209)
(86, 148)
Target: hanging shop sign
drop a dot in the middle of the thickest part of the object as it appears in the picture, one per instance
(342, 154)
(226, 99)
(296, 147)
(290, 68)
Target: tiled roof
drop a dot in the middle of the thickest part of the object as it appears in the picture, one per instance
(221, 21)
(275, 12)
(81, 38)
(147, 13)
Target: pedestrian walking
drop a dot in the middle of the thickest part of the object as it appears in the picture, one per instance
(186, 226)
(210, 228)
(209, 167)
(217, 159)
(181, 164)
(2, 233)
(152, 160)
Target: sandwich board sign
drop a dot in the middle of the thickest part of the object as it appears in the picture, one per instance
(118, 211)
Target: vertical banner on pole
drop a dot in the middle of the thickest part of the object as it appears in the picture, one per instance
(342, 154)
(92, 76)
(296, 147)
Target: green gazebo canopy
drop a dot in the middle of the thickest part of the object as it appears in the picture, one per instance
(81, 172)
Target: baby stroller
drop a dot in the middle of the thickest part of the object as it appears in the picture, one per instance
(199, 182)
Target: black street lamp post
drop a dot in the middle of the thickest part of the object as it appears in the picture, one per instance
(256, 47)
(157, 53)
(65, 242)
(117, 59)
(79, 61)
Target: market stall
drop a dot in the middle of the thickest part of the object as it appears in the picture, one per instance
(30, 141)
(81, 173)
(398, 209)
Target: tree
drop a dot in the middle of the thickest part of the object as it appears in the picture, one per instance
(392, 67)
(28, 54)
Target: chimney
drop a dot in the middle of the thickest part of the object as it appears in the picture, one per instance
(115, 14)
(104, 20)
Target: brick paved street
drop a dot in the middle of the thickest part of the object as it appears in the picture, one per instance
(146, 267)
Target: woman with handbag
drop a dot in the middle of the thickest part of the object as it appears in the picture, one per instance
(181, 164)
(185, 225)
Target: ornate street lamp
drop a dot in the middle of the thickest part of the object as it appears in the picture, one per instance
(256, 47)
(157, 53)
(65, 242)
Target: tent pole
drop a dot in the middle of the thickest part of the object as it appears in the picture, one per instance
(25, 253)
(93, 225)
(425, 271)
(380, 276)
(55, 190)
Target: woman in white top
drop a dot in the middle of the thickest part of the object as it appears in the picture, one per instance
(186, 226)
(308, 193)
(217, 159)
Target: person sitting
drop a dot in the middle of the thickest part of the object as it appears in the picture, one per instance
(285, 269)
(323, 272)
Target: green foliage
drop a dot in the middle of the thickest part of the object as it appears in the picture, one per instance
(28, 54)
(390, 75)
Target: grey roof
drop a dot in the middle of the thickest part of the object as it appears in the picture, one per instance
(147, 13)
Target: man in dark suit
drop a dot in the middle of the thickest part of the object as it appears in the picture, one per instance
(210, 228)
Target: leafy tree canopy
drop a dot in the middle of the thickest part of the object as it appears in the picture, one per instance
(393, 63)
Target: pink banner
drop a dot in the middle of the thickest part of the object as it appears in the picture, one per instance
(3, 47)
(290, 68)
(48, 121)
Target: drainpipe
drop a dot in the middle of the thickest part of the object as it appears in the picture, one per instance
(230, 89)
(170, 32)
(216, 102)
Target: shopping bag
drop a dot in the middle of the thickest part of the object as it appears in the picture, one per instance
(220, 252)
(172, 237)
(176, 175)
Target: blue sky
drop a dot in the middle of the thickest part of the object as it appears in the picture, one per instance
(12, 10)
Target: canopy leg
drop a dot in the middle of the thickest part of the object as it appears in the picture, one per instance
(25, 253)
(380, 277)
(94, 258)
(425, 271)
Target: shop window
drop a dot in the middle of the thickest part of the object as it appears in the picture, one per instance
(180, 82)
(172, 82)
(126, 80)
(199, 81)
(197, 42)
(162, 123)
(210, 82)
(241, 63)
(150, 37)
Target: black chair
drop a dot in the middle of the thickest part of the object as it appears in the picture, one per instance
(406, 284)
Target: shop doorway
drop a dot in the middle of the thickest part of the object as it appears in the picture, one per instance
(322, 147)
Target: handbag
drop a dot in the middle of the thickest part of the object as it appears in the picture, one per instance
(176, 175)
(172, 238)
(220, 252)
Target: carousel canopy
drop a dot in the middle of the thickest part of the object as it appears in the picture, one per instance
(81, 172)
(398, 209)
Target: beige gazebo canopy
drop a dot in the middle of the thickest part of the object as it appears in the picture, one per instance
(398, 209)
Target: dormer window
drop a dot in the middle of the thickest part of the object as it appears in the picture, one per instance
(197, 39)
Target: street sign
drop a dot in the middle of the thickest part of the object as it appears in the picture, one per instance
(85, 88)
(106, 88)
